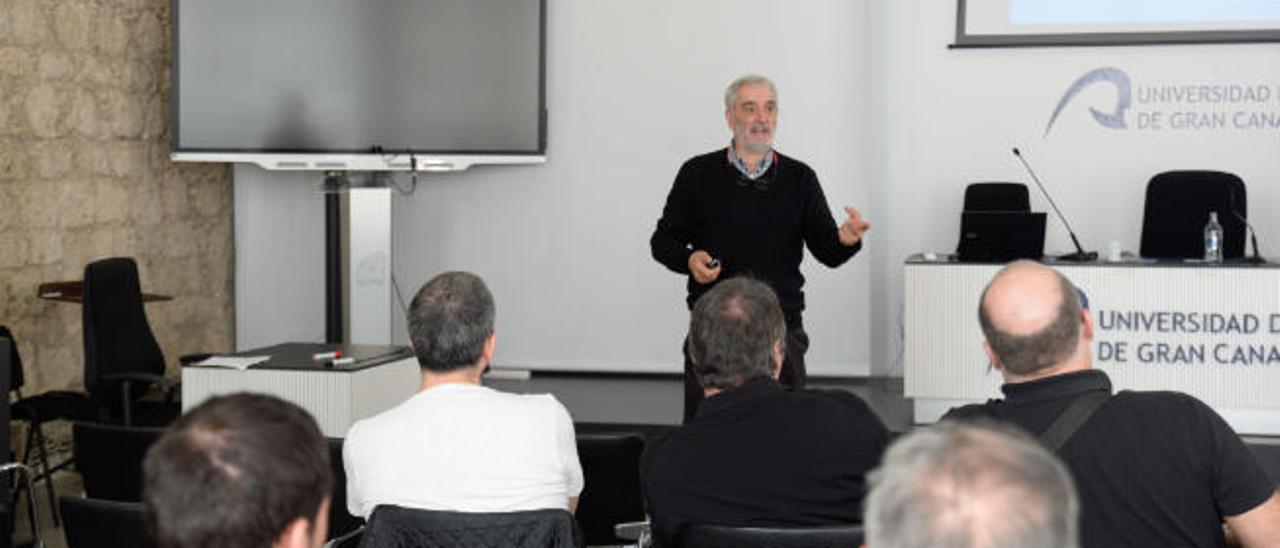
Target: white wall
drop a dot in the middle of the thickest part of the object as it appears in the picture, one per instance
(943, 118)
(279, 234)
(634, 89)
(891, 119)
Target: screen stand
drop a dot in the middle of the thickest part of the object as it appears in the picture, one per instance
(368, 265)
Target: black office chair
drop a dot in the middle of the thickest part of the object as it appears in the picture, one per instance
(92, 523)
(121, 356)
(720, 536)
(396, 527)
(341, 522)
(996, 197)
(36, 410)
(611, 492)
(1177, 208)
(109, 459)
(997, 225)
(8, 479)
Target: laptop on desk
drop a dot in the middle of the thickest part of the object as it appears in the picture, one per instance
(1000, 236)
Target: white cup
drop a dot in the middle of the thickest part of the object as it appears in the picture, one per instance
(1114, 252)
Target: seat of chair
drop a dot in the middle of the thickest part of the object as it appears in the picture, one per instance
(611, 495)
(58, 405)
(723, 536)
(92, 523)
(394, 526)
(109, 458)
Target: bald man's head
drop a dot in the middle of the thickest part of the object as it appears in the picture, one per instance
(1030, 315)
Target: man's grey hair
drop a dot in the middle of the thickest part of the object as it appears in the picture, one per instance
(450, 320)
(970, 485)
(1045, 348)
(732, 332)
(731, 92)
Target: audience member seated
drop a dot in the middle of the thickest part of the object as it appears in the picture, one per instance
(755, 454)
(239, 470)
(456, 445)
(1152, 468)
(964, 486)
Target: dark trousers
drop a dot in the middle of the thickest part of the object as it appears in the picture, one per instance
(792, 375)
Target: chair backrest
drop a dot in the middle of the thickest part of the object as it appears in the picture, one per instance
(996, 197)
(611, 492)
(1177, 208)
(117, 336)
(92, 523)
(397, 527)
(720, 536)
(341, 521)
(109, 458)
(16, 378)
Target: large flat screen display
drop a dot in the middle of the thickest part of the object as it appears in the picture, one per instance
(351, 83)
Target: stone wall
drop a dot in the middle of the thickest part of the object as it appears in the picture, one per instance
(85, 174)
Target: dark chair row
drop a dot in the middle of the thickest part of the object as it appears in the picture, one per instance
(109, 459)
(94, 523)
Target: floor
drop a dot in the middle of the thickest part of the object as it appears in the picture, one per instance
(659, 399)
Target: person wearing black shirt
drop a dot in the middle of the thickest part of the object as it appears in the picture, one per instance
(755, 454)
(746, 209)
(1152, 468)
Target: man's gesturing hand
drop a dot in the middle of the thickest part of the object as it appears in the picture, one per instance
(851, 229)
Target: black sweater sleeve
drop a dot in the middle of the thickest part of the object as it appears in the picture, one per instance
(821, 234)
(670, 241)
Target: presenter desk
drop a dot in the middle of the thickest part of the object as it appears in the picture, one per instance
(337, 396)
(1209, 330)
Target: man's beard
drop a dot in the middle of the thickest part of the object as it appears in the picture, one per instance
(754, 146)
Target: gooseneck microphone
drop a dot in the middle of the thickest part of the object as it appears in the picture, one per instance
(1080, 255)
(1253, 234)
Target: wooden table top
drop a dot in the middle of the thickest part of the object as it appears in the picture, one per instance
(73, 292)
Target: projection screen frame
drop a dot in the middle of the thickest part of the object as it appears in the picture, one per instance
(964, 40)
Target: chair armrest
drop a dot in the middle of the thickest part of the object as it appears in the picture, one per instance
(165, 384)
(193, 358)
(136, 377)
(350, 539)
(631, 530)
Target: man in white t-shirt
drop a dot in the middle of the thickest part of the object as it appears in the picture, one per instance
(456, 445)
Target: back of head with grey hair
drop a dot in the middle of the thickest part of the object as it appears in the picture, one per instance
(731, 92)
(450, 320)
(967, 485)
(732, 332)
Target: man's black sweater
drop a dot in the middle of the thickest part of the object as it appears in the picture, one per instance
(753, 227)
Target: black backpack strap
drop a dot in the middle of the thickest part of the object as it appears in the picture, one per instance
(1072, 418)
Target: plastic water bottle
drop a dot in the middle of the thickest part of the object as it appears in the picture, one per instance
(1213, 239)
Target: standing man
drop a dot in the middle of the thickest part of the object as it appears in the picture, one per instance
(746, 209)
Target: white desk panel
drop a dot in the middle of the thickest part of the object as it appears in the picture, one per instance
(1212, 331)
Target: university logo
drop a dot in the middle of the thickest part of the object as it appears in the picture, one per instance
(1105, 75)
